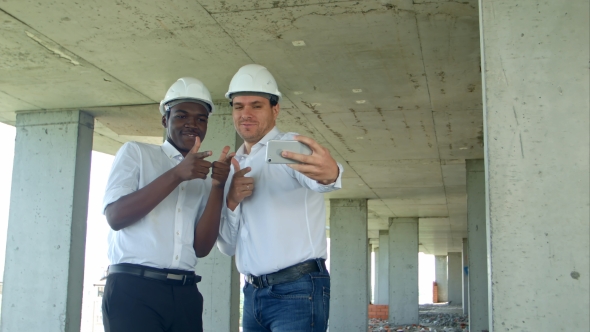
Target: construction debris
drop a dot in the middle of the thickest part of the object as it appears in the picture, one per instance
(431, 320)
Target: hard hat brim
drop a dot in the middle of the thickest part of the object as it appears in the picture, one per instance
(173, 102)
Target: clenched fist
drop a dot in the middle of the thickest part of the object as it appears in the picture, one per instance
(221, 168)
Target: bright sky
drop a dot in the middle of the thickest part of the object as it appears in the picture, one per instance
(7, 134)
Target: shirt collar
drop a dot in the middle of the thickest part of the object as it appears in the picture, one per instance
(170, 150)
(270, 135)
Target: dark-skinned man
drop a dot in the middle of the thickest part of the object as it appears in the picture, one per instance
(164, 212)
(275, 219)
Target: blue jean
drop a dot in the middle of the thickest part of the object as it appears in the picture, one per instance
(299, 306)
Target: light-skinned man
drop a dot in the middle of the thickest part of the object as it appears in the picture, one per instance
(274, 221)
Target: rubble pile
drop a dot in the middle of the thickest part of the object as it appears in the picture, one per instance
(429, 322)
(452, 322)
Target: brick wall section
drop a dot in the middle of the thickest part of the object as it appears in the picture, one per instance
(434, 292)
(379, 311)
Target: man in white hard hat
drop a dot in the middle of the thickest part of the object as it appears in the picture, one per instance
(164, 213)
(275, 217)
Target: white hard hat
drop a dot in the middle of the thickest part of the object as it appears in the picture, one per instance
(253, 78)
(186, 89)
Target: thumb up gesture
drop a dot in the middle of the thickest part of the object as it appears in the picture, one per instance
(194, 165)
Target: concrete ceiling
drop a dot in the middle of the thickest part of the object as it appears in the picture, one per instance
(393, 88)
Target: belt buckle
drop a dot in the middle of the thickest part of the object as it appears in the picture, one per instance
(255, 281)
(173, 276)
(177, 277)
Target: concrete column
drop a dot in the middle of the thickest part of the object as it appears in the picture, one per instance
(441, 276)
(369, 251)
(403, 271)
(476, 232)
(383, 266)
(465, 275)
(455, 279)
(535, 91)
(46, 239)
(376, 271)
(220, 285)
(349, 304)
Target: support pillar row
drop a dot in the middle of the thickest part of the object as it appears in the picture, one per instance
(403, 271)
(376, 277)
(383, 266)
(476, 231)
(349, 302)
(465, 275)
(455, 280)
(441, 276)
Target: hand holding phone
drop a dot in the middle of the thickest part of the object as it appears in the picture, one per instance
(275, 148)
(319, 166)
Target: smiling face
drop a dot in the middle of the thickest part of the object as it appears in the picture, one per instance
(183, 123)
(253, 117)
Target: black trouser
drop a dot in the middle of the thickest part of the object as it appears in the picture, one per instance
(135, 304)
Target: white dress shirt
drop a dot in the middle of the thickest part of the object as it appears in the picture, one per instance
(164, 237)
(283, 222)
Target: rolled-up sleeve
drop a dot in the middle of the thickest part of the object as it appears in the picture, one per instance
(124, 176)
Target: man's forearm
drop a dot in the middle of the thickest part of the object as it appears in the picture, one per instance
(129, 209)
(208, 226)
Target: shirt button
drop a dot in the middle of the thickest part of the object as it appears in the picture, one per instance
(178, 209)
(176, 257)
(177, 233)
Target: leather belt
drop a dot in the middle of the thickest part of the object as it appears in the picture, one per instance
(179, 279)
(288, 274)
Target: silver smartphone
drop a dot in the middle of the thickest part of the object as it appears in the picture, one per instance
(274, 148)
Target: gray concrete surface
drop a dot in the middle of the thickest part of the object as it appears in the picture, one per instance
(455, 280)
(477, 237)
(349, 300)
(375, 290)
(220, 287)
(465, 275)
(369, 268)
(441, 277)
(535, 59)
(44, 271)
(383, 294)
(403, 271)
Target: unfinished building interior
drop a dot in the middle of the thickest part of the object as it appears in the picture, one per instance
(463, 128)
